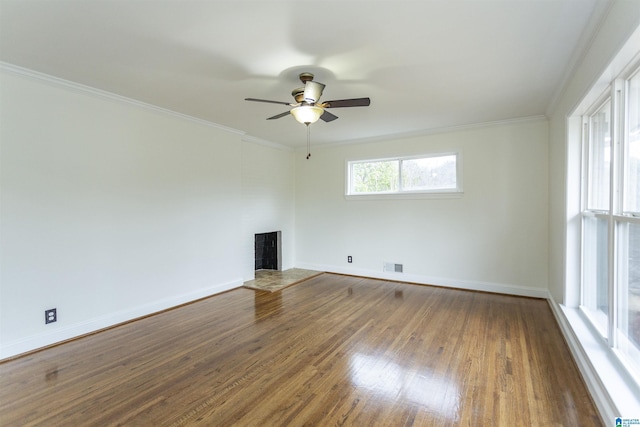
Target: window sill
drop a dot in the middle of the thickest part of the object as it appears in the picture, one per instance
(602, 369)
(406, 195)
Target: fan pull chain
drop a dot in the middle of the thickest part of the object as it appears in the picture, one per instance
(308, 141)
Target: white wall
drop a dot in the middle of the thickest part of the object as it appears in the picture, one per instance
(493, 238)
(268, 184)
(111, 210)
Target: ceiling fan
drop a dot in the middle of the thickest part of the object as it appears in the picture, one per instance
(308, 109)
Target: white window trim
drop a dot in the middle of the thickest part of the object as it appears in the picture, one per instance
(614, 389)
(447, 193)
(611, 376)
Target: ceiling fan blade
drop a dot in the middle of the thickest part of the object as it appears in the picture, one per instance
(328, 117)
(267, 100)
(277, 116)
(355, 102)
(312, 91)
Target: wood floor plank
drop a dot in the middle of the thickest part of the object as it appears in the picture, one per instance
(334, 350)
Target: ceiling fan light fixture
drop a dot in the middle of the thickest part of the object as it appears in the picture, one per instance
(307, 114)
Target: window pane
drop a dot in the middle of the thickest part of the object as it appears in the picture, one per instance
(429, 173)
(596, 271)
(629, 292)
(599, 158)
(632, 181)
(374, 177)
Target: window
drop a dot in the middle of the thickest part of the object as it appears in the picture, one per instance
(610, 290)
(632, 165)
(600, 157)
(432, 174)
(628, 255)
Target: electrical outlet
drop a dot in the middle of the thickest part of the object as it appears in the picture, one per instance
(50, 316)
(349, 259)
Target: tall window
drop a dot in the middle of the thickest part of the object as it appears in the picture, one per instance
(595, 297)
(628, 310)
(611, 218)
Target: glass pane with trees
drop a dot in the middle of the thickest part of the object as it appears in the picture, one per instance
(429, 173)
(435, 173)
(375, 177)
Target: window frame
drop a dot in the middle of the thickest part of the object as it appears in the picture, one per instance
(588, 176)
(625, 83)
(616, 215)
(400, 193)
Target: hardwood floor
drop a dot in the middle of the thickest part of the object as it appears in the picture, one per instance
(333, 350)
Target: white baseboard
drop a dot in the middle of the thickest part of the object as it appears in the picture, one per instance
(27, 344)
(472, 285)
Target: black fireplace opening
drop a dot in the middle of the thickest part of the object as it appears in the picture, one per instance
(267, 247)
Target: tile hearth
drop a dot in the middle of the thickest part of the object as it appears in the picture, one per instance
(273, 280)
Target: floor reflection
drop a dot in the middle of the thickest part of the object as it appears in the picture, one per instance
(267, 304)
(389, 381)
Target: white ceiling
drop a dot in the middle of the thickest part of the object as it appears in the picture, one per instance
(425, 65)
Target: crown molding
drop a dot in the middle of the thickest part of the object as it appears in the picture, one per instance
(56, 81)
(259, 141)
(78, 87)
(584, 44)
(435, 131)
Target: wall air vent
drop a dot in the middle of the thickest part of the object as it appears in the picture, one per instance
(392, 267)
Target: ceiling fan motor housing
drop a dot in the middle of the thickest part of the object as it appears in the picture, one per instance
(306, 77)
